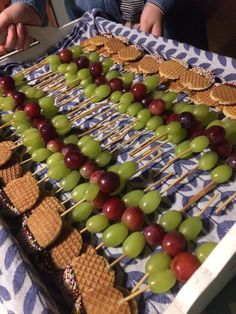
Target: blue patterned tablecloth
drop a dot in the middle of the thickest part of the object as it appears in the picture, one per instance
(21, 292)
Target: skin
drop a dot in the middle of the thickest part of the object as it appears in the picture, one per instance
(152, 20)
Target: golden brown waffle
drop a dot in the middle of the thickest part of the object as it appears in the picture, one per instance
(117, 59)
(98, 40)
(172, 69)
(66, 248)
(230, 111)
(84, 43)
(90, 48)
(176, 86)
(132, 67)
(88, 249)
(130, 53)
(105, 300)
(197, 79)
(224, 94)
(5, 151)
(203, 97)
(45, 225)
(132, 303)
(23, 192)
(51, 202)
(150, 64)
(92, 271)
(11, 171)
(113, 45)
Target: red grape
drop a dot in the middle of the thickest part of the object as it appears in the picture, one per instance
(55, 145)
(32, 110)
(48, 133)
(184, 265)
(96, 69)
(95, 176)
(173, 243)
(65, 55)
(100, 200)
(7, 83)
(100, 80)
(169, 116)
(82, 62)
(146, 101)
(187, 119)
(231, 160)
(88, 168)
(19, 97)
(68, 148)
(113, 208)
(215, 134)
(74, 160)
(109, 182)
(154, 234)
(223, 149)
(133, 218)
(157, 107)
(116, 84)
(139, 91)
(126, 88)
(40, 121)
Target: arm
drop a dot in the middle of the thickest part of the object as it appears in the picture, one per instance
(152, 17)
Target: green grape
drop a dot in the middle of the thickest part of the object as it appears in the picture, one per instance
(162, 281)
(216, 122)
(114, 168)
(70, 181)
(191, 227)
(157, 94)
(178, 107)
(53, 59)
(54, 159)
(188, 108)
(174, 127)
(198, 144)
(41, 154)
(115, 235)
(22, 127)
(91, 149)
(127, 169)
(71, 78)
(7, 117)
(107, 64)
(122, 108)
(151, 82)
(138, 125)
(62, 68)
(150, 202)
(47, 101)
(204, 250)
(76, 51)
(91, 192)
(170, 220)
(112, 74)
(97, 223)
(208, 161)
(103, 159)
(229, 125)
(31, 139)
(200, 111)
(93, 57)
(128, 78)
(168, 98)
(86, 82)
(19, 77)
(72, 68)
(54, 67)
(144, 115)
(178, 137)
(154, 123)
(132, 199)
(157, 262)
(22, 88)
(89, 90)
(82, 212)
(102, 92)
(58, 171)
(30, 92)
(60, 121)
(127, 98)
(8, 103)
(31, 131)
(134, 108)
(115, 96)
(84, 140)
(79, 191)
(183, 147)
(134, 244)
(71, 139)
(39, 94)
(221, 174)
(49, 111)
(83, 74)
(65, 130)
(161, 132)
(211, 116)
(35, 146)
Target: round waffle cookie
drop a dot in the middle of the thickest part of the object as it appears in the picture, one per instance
(197, 79)
(172, 69)
(23, 192)
(132, 303)
(132, 67)
(66, 248)
(203, 97)
(84, 43)
(5, 151)
(149, 64)
(11, 171)
(45, 225)
(98, 40)
(230, 111)
(130, 53)
(224, 94)
(101, 300)
(176, 87)
(113, 45)
(51, 202)
(92, 271)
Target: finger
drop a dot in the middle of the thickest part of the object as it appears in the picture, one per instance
(26, 39)
(2, 50)
(11, 38)
(20, 36)
(145, 27)
(156, 29)
(4, 21)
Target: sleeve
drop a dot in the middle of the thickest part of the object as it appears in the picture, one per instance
(164, 5)
(38, 5)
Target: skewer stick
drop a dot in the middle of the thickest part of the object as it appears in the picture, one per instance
(43, 179)
(67, 200)
(83, 230)
(117, 260)
(39, 170)
(107, 125)
(144, 145)
(219, 209)
(166, 177)
(6, 124)
(153, 150)
(138, 284)
(85, 113)
(112, 132)
(17, 146)
(33, 67)
(72, 207)
(99, 246)
(150, 161)
(128, 141)
(58, 191)
(211, 200)
(126, 129)
(135, 294)
(25, 161)
(67, 101)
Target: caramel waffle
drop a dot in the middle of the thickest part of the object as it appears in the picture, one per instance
(66, 248)
(132, 67)
(98, 40)
(11, 171)
(51, 202)
(172, 69)
(132, 303)
(149, 64)
(23, 192)
(5, 151)
(224, 94)
(102, 300)
(197, 79)
(113, 45)
(84, 43)
(130, 53)
(230, 111)
(45, 225)
(176, 87)
(203, 97)
(90, 48)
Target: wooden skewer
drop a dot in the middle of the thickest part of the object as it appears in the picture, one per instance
(117, 260)
(43, 179)
(219, 209)
(63, 103)
(58, 191)
(83, 230)
(6, 124)
(135, 294)
(107, 125)
(150, 161)
(126, 129)
(85, 113)
(67, 200)
(166, 177)
(128, 141)
(211, 200)
(99, 246)
(112, 132)
(33, 67)
(153, 150)
(72, 207)
(39, 170)
(140, 282)
(57, 86)
(25, 161)
(17, 146)
(141, 147)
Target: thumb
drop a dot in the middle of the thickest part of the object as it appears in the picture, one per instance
(156, 29)
(4, 21)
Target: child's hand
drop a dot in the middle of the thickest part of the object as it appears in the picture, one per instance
(152, 20)
(12, 21)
